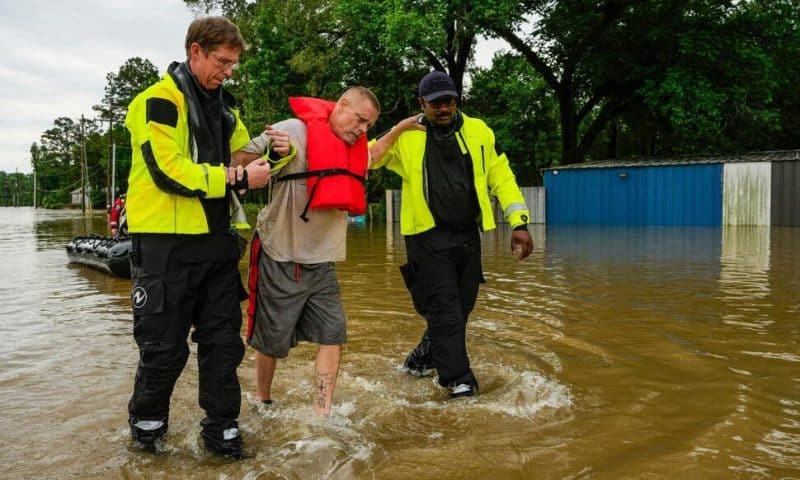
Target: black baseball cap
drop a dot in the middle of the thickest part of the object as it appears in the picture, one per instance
(437, 84)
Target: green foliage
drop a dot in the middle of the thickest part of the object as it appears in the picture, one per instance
(716, 93)
(378, 181)
(16, 189)
(377, 210)
(251, 212)
(666, 76)
(517, 104)
(585, 79)
(57, 157)
(773, 30)
(133, 77)
(56, 160)
(281, 62)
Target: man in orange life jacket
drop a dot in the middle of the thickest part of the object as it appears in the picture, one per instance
(294, 291)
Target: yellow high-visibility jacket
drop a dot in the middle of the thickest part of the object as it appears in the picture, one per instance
(165, 183)
(492, 174)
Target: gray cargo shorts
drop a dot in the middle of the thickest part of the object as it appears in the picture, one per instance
(296, 302)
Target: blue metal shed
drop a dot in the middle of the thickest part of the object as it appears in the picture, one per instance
(745, 189)
(628, 194)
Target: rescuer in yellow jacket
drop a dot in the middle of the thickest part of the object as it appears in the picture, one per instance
(179, 184)
(184, 132)
(449, 166)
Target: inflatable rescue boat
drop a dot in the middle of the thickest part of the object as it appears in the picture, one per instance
(110, 255)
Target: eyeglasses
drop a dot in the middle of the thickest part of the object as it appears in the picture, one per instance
(224, 62)
(443, 102)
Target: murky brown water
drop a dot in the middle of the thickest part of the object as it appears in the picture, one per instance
(642, 353)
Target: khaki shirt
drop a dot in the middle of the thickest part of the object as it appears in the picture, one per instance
(285, 237)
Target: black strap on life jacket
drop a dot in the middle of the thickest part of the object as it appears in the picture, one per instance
(318, 173)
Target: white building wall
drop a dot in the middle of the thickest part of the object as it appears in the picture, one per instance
(534, 199)
(746, 193)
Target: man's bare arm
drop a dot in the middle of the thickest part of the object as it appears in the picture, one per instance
(379, 148)
(240, 157)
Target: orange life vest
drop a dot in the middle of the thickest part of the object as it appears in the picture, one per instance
(336, 171)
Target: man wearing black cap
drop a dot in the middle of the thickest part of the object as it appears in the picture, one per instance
(449, 164)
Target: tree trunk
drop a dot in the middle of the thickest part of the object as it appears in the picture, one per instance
(569, 130)
(613, 138)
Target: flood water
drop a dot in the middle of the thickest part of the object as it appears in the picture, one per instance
(637, 353)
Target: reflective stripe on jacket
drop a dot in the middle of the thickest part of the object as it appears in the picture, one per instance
(165, 184)
(492, 174)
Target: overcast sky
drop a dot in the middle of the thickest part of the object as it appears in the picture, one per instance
(57, 54)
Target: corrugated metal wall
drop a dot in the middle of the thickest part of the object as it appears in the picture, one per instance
(662, 195)
(534, 199)
(786, 194)
(746, 194)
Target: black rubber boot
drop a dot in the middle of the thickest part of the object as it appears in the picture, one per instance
(419, 362)
(225, 448)
(146, 439)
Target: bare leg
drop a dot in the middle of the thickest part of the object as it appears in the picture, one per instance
(326, 368)
(265, 371)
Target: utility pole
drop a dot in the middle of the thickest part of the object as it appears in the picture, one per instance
(16, 187)
(112, 149)
(84, 171)
(110, 194)
(83, 178)
(113, 173)
(34, 184)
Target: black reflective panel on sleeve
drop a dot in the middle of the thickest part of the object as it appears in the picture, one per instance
(161, 179)
(162, 111)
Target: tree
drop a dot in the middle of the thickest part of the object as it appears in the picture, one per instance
(317, 47)
(132, 78)
(682, 75)
(62, 140)
(777, 32)
(135, 75)
(585, 52)
(16, 189)
(717, 93)
(521, 109)
(57, 159)
(647, 77)
(425, 34)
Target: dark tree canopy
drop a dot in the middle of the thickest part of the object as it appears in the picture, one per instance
(581, 79)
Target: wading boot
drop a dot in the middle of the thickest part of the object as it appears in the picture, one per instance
(419, 362)
(462, 390)
(146, 432)
(229, 446)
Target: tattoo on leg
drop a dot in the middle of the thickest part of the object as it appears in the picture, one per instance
(324, 384)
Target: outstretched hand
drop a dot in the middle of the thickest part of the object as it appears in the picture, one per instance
(521, 244)
(413, 122)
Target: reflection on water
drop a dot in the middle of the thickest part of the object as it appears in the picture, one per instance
(658, 352)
